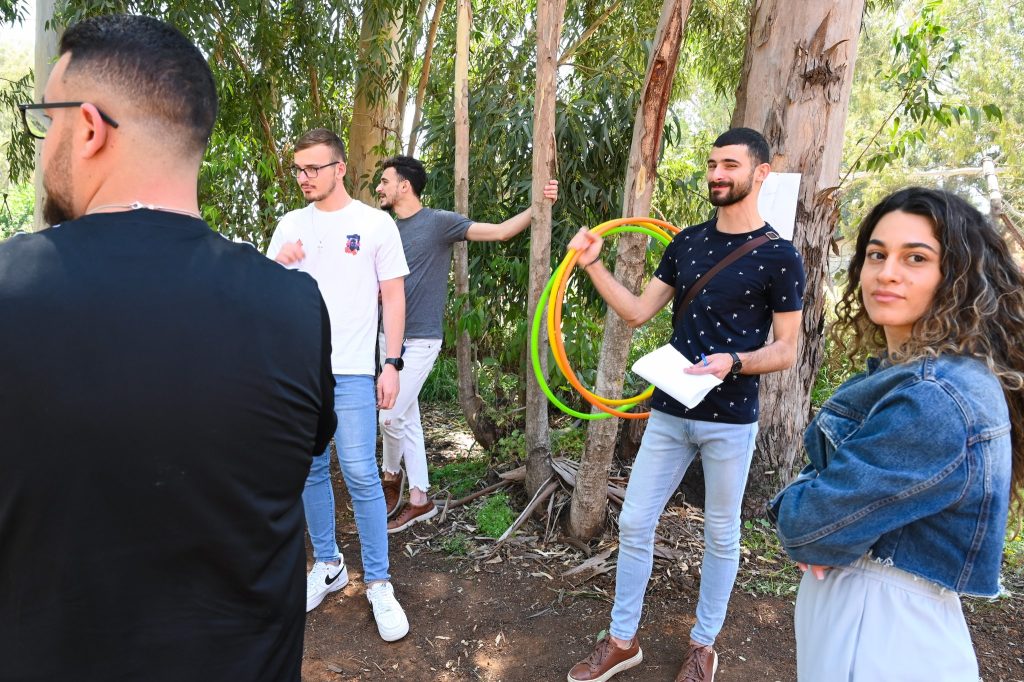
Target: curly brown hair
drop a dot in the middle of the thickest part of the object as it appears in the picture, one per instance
(978, 308)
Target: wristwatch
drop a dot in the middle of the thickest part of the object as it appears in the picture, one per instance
(397, 363)
(737, 364)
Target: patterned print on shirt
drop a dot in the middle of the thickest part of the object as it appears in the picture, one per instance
(352, 244)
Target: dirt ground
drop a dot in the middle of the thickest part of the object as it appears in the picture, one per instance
(513, 617)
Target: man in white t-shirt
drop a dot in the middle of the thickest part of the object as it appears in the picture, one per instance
(353, 251)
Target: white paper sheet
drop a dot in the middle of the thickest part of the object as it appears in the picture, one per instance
(664, 368)
(777, 202)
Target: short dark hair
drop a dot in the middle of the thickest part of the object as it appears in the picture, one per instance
(749, 138)
(326, 137)
(153, 64)
(409, 169)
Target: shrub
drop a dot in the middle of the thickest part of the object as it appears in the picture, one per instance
(835, 369)
(442, 386)
(511, 447)
(569, 442)
(495, 516)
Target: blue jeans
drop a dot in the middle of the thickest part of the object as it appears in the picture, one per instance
(669, 445)
(355, 402)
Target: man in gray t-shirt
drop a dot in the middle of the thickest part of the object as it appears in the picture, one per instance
(427, 238)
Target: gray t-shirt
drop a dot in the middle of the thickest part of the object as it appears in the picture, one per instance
(427, 238)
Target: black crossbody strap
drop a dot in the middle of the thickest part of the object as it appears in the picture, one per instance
(733, 256)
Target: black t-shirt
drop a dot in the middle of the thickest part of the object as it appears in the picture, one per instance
(733, 312)
(162, 393)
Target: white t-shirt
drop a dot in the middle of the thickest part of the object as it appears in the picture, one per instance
(348, 252)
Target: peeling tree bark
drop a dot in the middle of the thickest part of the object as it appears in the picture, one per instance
(586, 516)
(795, 89)
(480, 424)
(373, 131)
(549, 29)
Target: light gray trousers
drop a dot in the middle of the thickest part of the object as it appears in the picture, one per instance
(868, 622)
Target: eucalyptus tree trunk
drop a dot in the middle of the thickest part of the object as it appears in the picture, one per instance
(479, 422)
(545, 165)
(45, 54)
(408, 57)
(586, 515)
(373, 130)
(795, 89)
(421, 88)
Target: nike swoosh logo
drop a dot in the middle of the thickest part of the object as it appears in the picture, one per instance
(330, 581)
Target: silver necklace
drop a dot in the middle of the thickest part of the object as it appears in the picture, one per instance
(136, 205)
(316, 232)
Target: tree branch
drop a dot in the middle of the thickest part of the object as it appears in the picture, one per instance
(591, 30)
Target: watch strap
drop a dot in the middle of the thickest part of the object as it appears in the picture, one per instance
(737, 364)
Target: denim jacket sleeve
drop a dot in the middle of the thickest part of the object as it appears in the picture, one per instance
(904, 462)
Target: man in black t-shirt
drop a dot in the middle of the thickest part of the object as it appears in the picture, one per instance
(162, 393)
(723, 332)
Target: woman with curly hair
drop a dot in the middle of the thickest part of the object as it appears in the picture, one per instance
(915, 464)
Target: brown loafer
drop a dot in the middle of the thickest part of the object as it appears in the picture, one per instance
(606, 661)
(393, 493)
(411, 514)
(700, 665)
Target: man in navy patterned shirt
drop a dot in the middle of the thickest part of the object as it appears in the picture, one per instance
(727, 322)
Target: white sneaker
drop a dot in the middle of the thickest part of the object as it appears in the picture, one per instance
(323, 579)
(391, 621)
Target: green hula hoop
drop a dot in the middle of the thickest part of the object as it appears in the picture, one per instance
(539, 315)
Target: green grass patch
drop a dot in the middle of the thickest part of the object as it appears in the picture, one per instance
(456, 545)
(765, 568)
(495, 516)
(460, 477)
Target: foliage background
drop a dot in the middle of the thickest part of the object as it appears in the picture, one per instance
(937, 86)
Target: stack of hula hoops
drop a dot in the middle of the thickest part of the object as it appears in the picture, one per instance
(550, 307)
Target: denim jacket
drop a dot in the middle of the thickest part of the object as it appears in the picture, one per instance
(910, 462)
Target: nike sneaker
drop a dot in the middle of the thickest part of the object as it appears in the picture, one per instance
(322, 580)
(392, 623)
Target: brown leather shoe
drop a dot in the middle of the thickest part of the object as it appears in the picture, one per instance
(700, 665)
(393, 492)
(411, 514)
(606, 661)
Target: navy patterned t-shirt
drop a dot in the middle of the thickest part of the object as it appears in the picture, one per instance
(733, 312)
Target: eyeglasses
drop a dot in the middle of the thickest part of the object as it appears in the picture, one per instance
(37, 122)
(311, 171)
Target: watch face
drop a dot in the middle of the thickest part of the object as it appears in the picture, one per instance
(398, 363)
